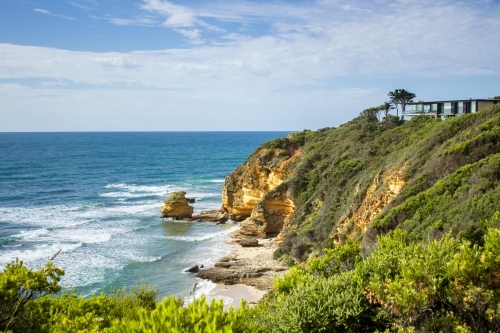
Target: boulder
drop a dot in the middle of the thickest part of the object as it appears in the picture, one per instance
(248, 242)
(193, 269)
(214, 215)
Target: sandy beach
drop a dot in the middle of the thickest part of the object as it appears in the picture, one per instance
(233, 294)
(247, 273)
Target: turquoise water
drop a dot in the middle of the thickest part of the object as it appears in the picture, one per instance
(97, 197)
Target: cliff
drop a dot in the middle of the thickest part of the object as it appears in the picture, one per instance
(246, 185)
(270, 214)
(384, 188)
(365, 178)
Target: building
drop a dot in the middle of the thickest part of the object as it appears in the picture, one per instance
(446, 109)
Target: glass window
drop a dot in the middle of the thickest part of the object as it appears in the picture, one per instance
(473, 106)
(447, 108)
(460, 107)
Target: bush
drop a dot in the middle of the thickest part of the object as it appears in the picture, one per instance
(336, 304)
(337, 260)
(73, 313)
(20, 287)
(170, 316)
(175, 197)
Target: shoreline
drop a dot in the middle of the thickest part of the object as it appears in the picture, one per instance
(247, 273)
(233, 294)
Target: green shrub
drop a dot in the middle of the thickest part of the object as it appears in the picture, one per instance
(336, 304)
(20, 287)
(295, 277)
(337, 260)
(73, 313)
(175, 197)
(170, 316)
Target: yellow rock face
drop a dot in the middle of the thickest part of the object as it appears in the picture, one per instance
(247, 184)
(178, 209)
(269, 216)
(244, 195)
(384, 188)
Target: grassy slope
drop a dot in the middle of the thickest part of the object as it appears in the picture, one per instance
(451, 169)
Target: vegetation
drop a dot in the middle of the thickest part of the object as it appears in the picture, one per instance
(446, 285)
(429, 261)
(29, 303)
(175, 197)
(19, 288)
(198, 317)
(449, 168)
(401, 97)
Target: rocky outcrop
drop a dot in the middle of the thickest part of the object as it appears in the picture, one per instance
(194, 269)
(258, 270)
(246, 185)
(214, 215)
(270, 214)
(250, 242)
(384, 188)
(176, 206)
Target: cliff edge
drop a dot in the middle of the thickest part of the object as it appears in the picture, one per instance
(367, 177)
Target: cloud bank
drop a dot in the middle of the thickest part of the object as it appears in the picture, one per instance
(297, 63)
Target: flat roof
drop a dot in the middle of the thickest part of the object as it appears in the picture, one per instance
(456, 100)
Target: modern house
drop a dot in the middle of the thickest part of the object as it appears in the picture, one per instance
(446, 109)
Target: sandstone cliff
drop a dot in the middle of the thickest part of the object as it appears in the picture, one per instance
(270, 214)
(249, 192)
(385, 187)
(176, 206)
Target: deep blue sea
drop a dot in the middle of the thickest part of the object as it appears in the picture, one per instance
(97, 197)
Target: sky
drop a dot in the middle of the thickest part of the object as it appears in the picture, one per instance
(157, 65)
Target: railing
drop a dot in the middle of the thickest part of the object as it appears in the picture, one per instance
(419, 112)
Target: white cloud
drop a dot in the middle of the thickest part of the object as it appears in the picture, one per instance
(241, 12)
(87, 4)
(408, 40)
(138, 21)
(256, 82)
(192, 34)
(46, 12)
(177, 16)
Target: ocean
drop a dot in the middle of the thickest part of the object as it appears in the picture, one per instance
(97, 196)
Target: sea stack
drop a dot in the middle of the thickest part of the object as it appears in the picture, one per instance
(176, 206)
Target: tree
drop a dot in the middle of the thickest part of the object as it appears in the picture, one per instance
(386, 107)
(376, 112)
(371, 113)
(401, 97)
(19, 286)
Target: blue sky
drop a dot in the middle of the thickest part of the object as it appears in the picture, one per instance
(155, 65)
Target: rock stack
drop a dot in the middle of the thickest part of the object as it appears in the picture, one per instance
(176, 206)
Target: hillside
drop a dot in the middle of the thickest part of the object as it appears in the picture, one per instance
(365, 178)
(414, 205)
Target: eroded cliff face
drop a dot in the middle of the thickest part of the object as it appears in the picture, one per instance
(384, 188)
(270, 214)
(248, 192)
(248, 183)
